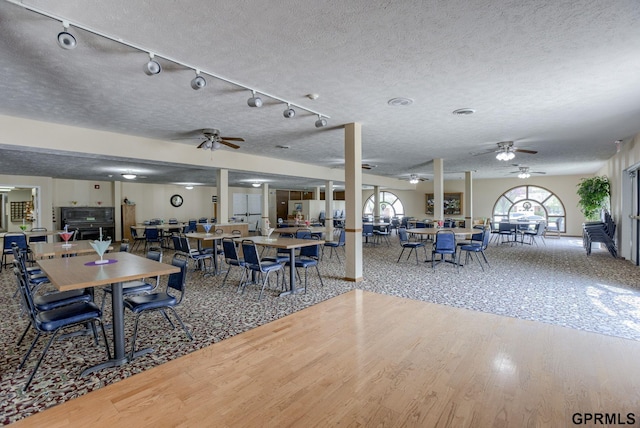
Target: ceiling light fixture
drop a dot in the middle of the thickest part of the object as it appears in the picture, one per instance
(256, 184)
(254, 101)
(414, 179)
(66, 39)
(463, 111)
(152, 67)
(188, 187)
(289, 112)
(198, 82)
(128, 175)
(321, 122)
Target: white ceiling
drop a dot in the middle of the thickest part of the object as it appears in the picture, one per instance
(558, 77)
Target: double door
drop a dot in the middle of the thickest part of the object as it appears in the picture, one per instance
(248, 209)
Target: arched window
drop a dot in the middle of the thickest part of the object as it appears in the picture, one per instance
(532, 203)
(390, 206)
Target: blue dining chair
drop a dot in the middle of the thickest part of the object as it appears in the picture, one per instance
(475, 247)
(444, 245)
(411, 245)
(258, 267)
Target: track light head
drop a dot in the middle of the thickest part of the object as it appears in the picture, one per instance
(152, 67)
(289, 112)
(321, 122)
(66, 39)
(198, 82)
(254, 101)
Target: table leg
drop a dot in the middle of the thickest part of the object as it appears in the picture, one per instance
(118, 332)
(292, 274)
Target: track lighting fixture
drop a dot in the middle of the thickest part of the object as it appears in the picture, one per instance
(321, 122)
(254, 101)
(152, 67)
(66, 39)
(289, 112)
(198, 82)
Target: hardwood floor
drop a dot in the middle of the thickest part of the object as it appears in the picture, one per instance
(364, 359)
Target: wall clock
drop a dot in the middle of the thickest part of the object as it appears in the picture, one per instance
(176, 200)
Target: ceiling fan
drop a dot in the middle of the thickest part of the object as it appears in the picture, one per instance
(368, 166)
(524, 172)
(506, 151)
(213, 140)
(415, 179)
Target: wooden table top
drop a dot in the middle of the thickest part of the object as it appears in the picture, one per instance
(43, 250)
(313, 229)
(434, 230)
(164, 226)
(71, 273)
(210, 236)
(284, 243)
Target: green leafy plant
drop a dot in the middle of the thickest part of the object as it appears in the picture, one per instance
(594, 196)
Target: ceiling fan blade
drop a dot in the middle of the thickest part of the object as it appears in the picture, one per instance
(537, 172)
(232, 138)
(366, 166)
(202, 144)
(531, 152)
(228, 144)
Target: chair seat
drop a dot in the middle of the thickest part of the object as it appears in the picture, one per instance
(471, 247)
(412, 244)
(267, 266)
(305, 263)
(51, 301)
(70, 314)
(332, 244)
(236, 262)
(275, 259)
(132, 287)
(146, 302)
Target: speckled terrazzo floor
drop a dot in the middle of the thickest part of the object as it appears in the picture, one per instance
(556, 283)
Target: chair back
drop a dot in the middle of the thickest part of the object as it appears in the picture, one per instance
(179, 243)
(479, 235)
(20, 240)
(173, 221)
(124, 247)
(343, 237)
(486, 236)
(41, 238)
(367, 230)
(402, 234)
(151, 233)
(445, 242)
(311, 251)
(250, 252)
(229, 248)
(25, 294)
(448, 223)
(178, 280)
(134, 232)
(505, 226)
(303, 234)
(540, 228)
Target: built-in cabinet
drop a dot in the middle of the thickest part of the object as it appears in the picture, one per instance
(128, 219)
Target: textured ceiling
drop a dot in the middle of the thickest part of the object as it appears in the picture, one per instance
(558, 77)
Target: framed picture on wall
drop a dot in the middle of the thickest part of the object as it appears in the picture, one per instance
(452, 204)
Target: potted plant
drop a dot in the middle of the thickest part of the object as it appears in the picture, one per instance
(594, 196)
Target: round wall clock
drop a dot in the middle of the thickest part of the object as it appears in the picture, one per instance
(176, 200)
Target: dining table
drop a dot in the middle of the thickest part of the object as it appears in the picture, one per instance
(315, 230)
(44, 250)
(291, 244)
(201, 237)
(432, 231)
(71, 273)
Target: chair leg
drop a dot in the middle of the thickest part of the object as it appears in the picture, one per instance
(399, 257)
(35, 369)
(319, 276)
(186, 330)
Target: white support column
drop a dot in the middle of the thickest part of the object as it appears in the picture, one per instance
(222, 184)
(264, 223)
(468, 198)
(438, 189)
(316, 196)
(376, 203)
(328, 210)
(353, 203)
